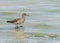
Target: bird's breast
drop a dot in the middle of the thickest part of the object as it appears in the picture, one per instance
(20, 21)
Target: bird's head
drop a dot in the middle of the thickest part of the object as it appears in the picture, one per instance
(24, 14)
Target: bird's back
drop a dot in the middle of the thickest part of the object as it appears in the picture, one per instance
(17, 21)
(12, 21)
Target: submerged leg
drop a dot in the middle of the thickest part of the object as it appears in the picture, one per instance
(21, 26)
(17, 26)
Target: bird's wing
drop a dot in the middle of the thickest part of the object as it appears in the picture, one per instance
(12, 21)
(15, 20)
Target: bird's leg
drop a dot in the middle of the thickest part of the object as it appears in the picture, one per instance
(17, 26)
(21, 26)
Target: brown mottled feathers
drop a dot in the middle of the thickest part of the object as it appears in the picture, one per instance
(12, 21)
(18, 20)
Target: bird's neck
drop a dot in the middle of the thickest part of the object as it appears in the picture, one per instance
(23, 17)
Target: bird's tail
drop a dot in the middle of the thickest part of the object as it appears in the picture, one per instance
(8, 21)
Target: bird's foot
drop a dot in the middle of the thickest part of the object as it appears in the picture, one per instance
(21, 26)
(17, 27)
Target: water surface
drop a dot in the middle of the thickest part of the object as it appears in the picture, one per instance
(43, 25)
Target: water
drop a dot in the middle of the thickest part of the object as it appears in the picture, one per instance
(43, 25)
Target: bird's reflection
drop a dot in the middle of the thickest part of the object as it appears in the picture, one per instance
(20, 28)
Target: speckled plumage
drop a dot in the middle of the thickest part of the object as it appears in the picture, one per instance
(18, 20)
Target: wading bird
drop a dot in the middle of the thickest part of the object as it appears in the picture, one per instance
(18, 20)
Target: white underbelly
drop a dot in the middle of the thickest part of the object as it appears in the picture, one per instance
(20, 21)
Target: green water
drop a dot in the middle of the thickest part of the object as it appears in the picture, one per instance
(43, 25)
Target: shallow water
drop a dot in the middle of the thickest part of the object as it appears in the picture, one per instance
(43, 25)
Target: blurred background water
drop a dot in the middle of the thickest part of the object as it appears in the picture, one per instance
(43, 25)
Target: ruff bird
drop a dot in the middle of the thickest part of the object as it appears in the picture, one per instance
(18, 20)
